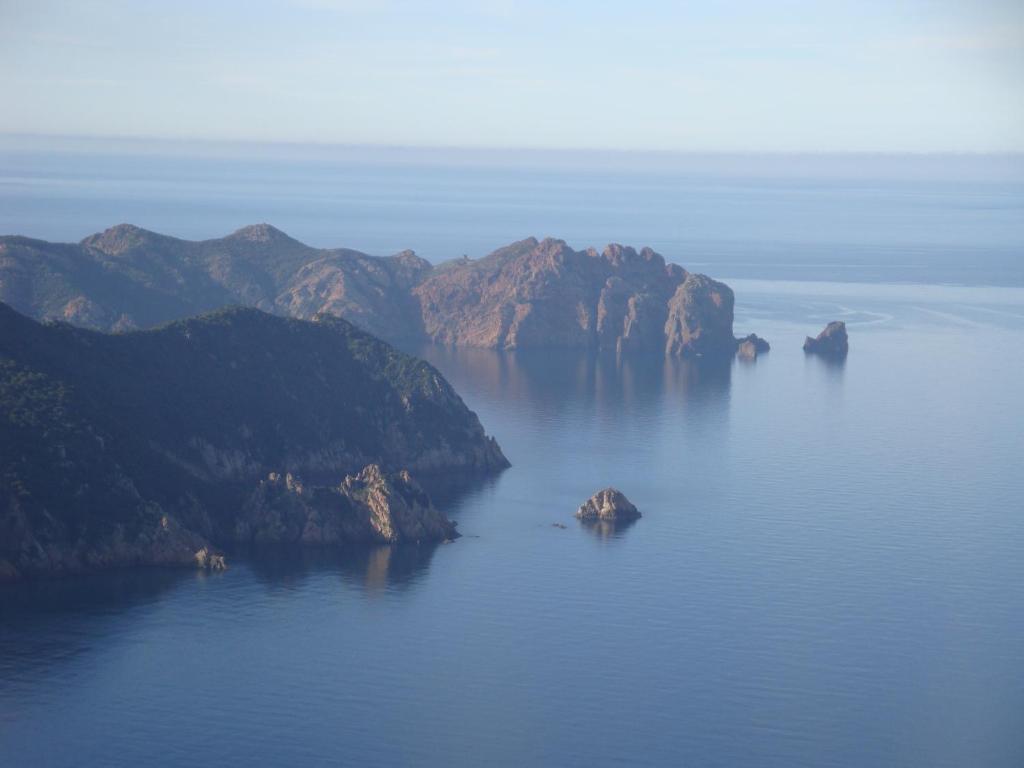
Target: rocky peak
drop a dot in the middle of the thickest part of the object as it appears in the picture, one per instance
(551, 248)
(260, 233)
(617, 255)
(410, 267)
(121, 238)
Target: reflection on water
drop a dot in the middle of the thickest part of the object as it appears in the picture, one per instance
(451, 490)
(547, 380)
(372, 568)
(607, 529)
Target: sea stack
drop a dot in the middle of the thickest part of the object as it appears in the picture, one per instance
(749, 347)
(609, 504)
(831, 342)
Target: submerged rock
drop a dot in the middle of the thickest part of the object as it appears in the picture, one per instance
(831, 342)
(608, 504)
(749, 347)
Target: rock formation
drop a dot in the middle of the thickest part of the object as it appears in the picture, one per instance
(831, 342)
(699, 320)
(210, 560)
(546, 294)
(141, 447)
(609, 504)
(530, 293)
(371, 507)
(749, 347)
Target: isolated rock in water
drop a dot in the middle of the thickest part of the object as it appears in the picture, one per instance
(749, 347)
(609, 504)
(831, 342)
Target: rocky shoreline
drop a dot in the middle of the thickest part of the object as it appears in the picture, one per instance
(162, 447)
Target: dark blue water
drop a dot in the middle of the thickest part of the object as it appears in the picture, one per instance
(827, 573)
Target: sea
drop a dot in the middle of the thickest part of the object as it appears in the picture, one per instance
(828, 569)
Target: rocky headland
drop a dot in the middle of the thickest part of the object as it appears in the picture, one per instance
(528, 294)
(156, 447)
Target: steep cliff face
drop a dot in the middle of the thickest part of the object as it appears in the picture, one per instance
(546, 294)
(140, 447)
(527, 294)
(700, 315)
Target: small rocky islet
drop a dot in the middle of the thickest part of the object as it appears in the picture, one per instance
(749, 347)
(832, 342)
(610, 505)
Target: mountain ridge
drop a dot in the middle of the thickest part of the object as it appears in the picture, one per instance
(528, 293)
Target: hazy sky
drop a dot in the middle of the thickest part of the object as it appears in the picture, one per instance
(790, 75)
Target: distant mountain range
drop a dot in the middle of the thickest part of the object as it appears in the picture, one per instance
(156, 446)
(530, 293)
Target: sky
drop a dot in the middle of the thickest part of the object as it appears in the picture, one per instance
(727, 76)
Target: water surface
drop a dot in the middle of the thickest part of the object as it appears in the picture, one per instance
(827, 573)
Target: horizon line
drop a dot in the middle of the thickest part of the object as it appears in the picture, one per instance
(508, 149)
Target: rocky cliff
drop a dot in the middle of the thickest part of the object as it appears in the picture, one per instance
(547, 294)
(142, 447)
(530, 293)
(371, 507)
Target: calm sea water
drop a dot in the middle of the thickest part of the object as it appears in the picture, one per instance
(827, 573)
(940, 220)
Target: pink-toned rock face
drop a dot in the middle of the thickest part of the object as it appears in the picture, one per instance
(528, 294)
(699, 319)
(546, 294)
